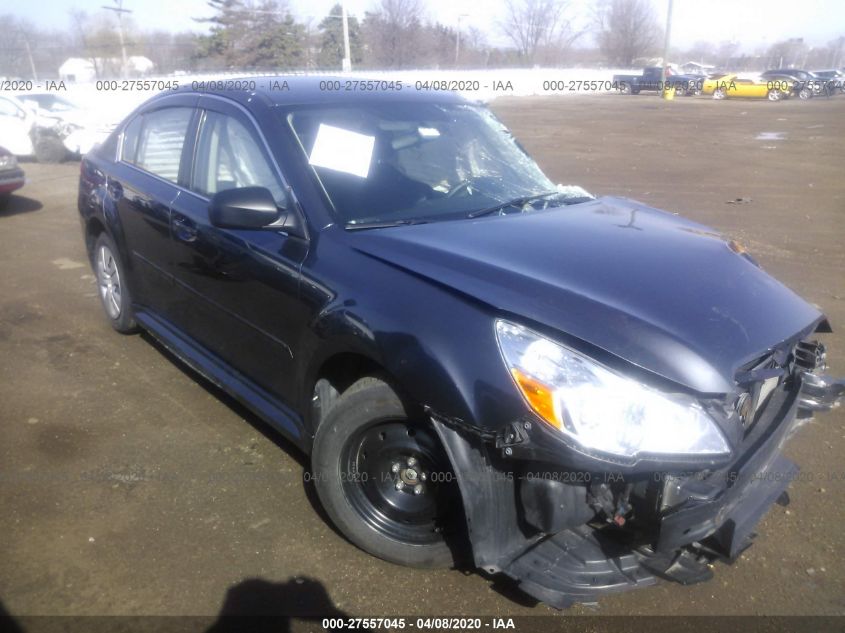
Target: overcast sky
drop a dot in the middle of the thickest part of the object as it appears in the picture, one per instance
(752, 22)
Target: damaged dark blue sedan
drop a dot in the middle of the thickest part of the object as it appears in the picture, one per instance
(582, 394)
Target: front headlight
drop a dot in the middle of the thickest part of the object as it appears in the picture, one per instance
(601, 411)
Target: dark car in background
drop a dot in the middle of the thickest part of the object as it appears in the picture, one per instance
(481, 364)
(651, 80)
(11, 176)
(834, 78)
(804, 83)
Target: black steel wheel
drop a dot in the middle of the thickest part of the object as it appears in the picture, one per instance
(384, 479)
(398, 468)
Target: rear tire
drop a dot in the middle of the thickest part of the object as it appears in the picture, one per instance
(719, 94)
(805, 93)
(112, 287)
(384, 479)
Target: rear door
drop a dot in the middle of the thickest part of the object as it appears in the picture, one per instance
(237, 290)
(142, 186)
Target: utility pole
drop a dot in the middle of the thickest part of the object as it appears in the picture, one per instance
(29, 55)
(347, 55)
(119, 10)
(458, 38)
(666, 50)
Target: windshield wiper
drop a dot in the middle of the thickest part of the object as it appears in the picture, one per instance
(382, 224)
(516, 202)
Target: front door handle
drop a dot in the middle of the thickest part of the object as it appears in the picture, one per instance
(184, 229)
(115, 189)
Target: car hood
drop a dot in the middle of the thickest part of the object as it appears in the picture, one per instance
(658, 291)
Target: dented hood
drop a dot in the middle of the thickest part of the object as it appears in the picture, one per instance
(658, 291)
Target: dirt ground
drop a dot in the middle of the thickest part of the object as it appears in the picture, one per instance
(127, 486)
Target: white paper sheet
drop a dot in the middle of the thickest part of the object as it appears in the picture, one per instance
(342, 150)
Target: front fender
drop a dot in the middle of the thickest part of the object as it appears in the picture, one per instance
(438, 346)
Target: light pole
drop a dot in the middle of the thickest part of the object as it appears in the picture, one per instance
(347, 55)
(666, 50)
(29, 55)
(458, 37)
(120, 11)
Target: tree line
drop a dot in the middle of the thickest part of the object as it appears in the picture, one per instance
(265, 35)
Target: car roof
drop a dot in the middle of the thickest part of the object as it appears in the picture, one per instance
(318, 89)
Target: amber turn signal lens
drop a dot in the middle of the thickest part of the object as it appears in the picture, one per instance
(539, 396)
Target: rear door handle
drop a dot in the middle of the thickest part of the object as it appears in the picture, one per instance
(184, 229)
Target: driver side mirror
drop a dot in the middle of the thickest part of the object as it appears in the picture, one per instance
(252, 208)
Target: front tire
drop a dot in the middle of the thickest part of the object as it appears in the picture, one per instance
(112, 286)
(384, 479)
(719, 94)
(774, 95)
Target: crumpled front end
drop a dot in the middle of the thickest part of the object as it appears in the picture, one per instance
(568, 529)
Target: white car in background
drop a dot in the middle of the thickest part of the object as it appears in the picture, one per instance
(17, 126)
(78, 128)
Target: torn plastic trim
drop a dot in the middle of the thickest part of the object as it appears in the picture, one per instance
(460, 425)
(821, 392)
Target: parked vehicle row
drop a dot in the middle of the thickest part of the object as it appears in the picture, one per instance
(773, 85)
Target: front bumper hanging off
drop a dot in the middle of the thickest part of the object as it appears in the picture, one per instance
(715, 520)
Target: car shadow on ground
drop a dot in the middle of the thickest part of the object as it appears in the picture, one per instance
(255, 605)
(19, 204)
(258, 605)
(8, 624)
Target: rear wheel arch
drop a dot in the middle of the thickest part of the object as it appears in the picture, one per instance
(93, 228)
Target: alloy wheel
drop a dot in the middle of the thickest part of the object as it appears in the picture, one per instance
(108, 280)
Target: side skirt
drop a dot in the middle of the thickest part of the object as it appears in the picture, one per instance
(221, 375)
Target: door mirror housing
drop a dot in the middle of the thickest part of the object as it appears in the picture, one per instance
(253, 208)
(243, 208)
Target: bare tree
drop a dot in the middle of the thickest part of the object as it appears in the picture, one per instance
(626, 30)
(392, 32)
(537, 25)
(789, 53)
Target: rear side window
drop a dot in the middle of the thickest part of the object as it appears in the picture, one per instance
(153, 141)
(229, 155)
(130, 140)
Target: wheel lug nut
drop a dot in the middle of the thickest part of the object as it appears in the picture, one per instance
(395, 468)
(418, 489)
(412, 461)
(423, 476)
(400, 485)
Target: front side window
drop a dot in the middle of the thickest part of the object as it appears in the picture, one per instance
(406, 161)
(153, 141)
(229, 156)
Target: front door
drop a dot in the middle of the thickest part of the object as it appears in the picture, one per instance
(237, 291)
